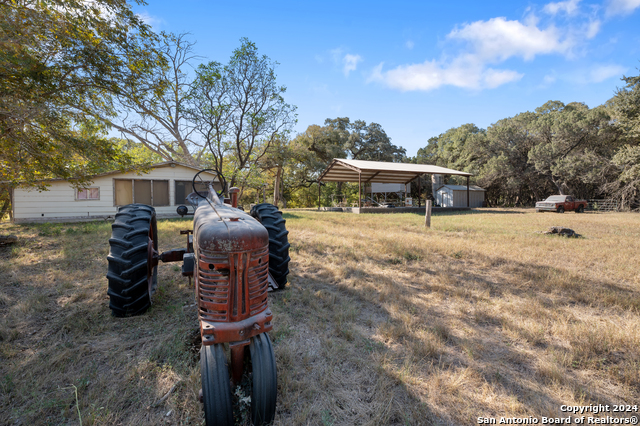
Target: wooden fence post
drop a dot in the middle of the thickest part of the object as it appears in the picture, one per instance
(427, 216)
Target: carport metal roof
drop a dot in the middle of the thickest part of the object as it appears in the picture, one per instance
(343, 170)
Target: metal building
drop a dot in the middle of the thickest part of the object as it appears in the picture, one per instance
(366, 172)
(456, 196)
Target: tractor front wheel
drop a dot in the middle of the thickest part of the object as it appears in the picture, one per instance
(264, 380)
(133, 271)
(271, 218)
(216, 387)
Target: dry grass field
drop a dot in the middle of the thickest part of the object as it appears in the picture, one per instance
(383, 323)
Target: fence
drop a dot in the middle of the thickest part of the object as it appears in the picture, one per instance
(603, 205)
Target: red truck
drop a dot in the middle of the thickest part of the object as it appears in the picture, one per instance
(560, 204)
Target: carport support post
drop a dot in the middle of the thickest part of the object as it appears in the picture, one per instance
(467, 191)
(419, 189)
(359, 189)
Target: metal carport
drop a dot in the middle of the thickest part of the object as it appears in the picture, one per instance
(361, 171)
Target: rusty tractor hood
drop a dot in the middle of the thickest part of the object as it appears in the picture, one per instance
(222, 228)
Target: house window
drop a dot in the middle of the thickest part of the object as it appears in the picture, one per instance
(150, 192)
(184, 188)
(88, 194)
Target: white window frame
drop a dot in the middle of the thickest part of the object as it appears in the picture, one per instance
(86, 189)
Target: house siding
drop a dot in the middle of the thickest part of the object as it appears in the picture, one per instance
(58, 203)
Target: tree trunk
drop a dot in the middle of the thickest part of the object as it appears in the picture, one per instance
(558, 186)
(6, 207)
(276, 187)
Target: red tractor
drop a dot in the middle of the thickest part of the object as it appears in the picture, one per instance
(234, 258)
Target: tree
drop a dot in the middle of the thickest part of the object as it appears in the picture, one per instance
(318, 146)
(274, 161)
(455, 149)
(503, 167)
(62, 61)
(497, 157)
(573, 145)
(239, 110)
(364, 142)
(155, 113)
(339, 138)
(625, 107)
(626, 186)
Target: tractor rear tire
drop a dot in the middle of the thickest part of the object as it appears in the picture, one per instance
(132, 278)
(271, 218)
(264, 380)
(216, 387)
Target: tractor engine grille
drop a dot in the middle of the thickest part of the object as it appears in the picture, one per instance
(232, 286)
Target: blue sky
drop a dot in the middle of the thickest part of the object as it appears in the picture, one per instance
(421, 68)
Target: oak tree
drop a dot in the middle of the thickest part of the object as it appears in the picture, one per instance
(61, 62)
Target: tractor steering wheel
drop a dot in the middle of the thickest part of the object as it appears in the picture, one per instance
(197, 177)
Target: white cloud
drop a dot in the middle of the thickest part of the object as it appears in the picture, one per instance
(569, 7)
(621, 7)
(597, 73)
(350, 63)
(487, 42)
(336, 54)
(484, 45)
(464, 72)
(409, 44)
(593, 29)
(605, 72)
(150, 20)
(499, 39)
(493, 78)
(346, 61)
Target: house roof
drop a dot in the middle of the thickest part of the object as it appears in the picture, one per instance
(157, 166)
(152, 166)
(344, 170)
(462, 188)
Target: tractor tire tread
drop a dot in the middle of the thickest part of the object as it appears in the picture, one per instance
(135, 233)
(279, 244)
(216, 387)
(265, 380)
(121, 225)
(134, 250)
(137, 287)
(135, 268)
(128, 289)
(120, 242)
(271, 218)
(122, 262)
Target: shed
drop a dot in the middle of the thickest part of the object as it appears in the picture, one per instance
(165, 186)
(456, 196)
